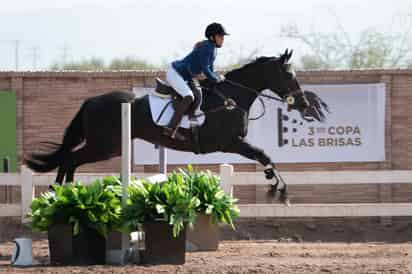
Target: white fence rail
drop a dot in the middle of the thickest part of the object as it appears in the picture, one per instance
(27, 180)
(229, 179)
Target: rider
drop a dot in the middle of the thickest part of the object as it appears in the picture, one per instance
(199, 60)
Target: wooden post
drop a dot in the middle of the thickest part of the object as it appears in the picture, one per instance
(6, 166)
(7, 189)
(226, 173)
(27, 191)
(126, 168)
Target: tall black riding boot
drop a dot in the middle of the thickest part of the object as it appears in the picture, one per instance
(172, 129)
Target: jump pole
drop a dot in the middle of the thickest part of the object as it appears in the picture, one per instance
(126, 168)
(162, 160)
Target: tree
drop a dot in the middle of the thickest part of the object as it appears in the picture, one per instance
(337, 50)
(92, 64)
(97, 64)
(130, 63)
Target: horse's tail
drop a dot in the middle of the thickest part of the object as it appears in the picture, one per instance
(73, 136)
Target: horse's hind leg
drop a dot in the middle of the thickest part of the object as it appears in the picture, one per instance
(70, 175)
(60, 176)
(64, 171)
(84, 155)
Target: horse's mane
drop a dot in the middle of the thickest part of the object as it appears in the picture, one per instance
(258, 60)
(317, 105)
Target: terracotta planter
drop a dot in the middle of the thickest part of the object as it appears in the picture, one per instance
(86, 248)
(160, 245)
(205, 235)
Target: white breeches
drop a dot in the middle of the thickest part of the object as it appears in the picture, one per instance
(178, 83)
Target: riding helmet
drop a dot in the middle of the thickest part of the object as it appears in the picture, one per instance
(215, 28)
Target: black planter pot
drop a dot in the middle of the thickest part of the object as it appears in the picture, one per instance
(160, 245)
(86, 248)
(61, 244)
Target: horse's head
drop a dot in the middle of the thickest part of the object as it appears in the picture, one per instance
(281, 79)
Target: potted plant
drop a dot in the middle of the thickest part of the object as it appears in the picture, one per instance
(78, 219)
(215, 207)
(164, 210)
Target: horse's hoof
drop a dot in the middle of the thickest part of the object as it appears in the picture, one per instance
(284, 199)
(286, 202)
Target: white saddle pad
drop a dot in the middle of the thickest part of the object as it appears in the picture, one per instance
(156, 106)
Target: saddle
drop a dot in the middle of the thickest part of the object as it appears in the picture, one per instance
(164, 90)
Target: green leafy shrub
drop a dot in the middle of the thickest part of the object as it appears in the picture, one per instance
(169, 201)
(213, 200)
(96, 206)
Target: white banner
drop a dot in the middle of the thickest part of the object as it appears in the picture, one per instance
(353, 132)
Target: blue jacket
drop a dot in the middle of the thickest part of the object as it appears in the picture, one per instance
(199, 60)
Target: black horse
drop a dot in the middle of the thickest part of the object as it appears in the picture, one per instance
(95, 132)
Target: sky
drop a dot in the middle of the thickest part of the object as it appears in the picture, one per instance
(161, 31)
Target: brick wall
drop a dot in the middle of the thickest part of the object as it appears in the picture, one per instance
(47, 101)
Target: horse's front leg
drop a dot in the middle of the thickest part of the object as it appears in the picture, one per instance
(272, 173)
(251, 152)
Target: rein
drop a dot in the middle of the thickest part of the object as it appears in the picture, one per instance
(230, 104)
(254, 91)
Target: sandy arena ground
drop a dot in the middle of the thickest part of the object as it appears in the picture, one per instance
(263, 246)
(253, 257)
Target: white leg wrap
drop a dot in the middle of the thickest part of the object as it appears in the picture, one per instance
(281, 184)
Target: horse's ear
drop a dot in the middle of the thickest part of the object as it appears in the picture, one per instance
(284, 57)
(289, 55)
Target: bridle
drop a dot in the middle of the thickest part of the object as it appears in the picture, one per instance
(230, 104)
